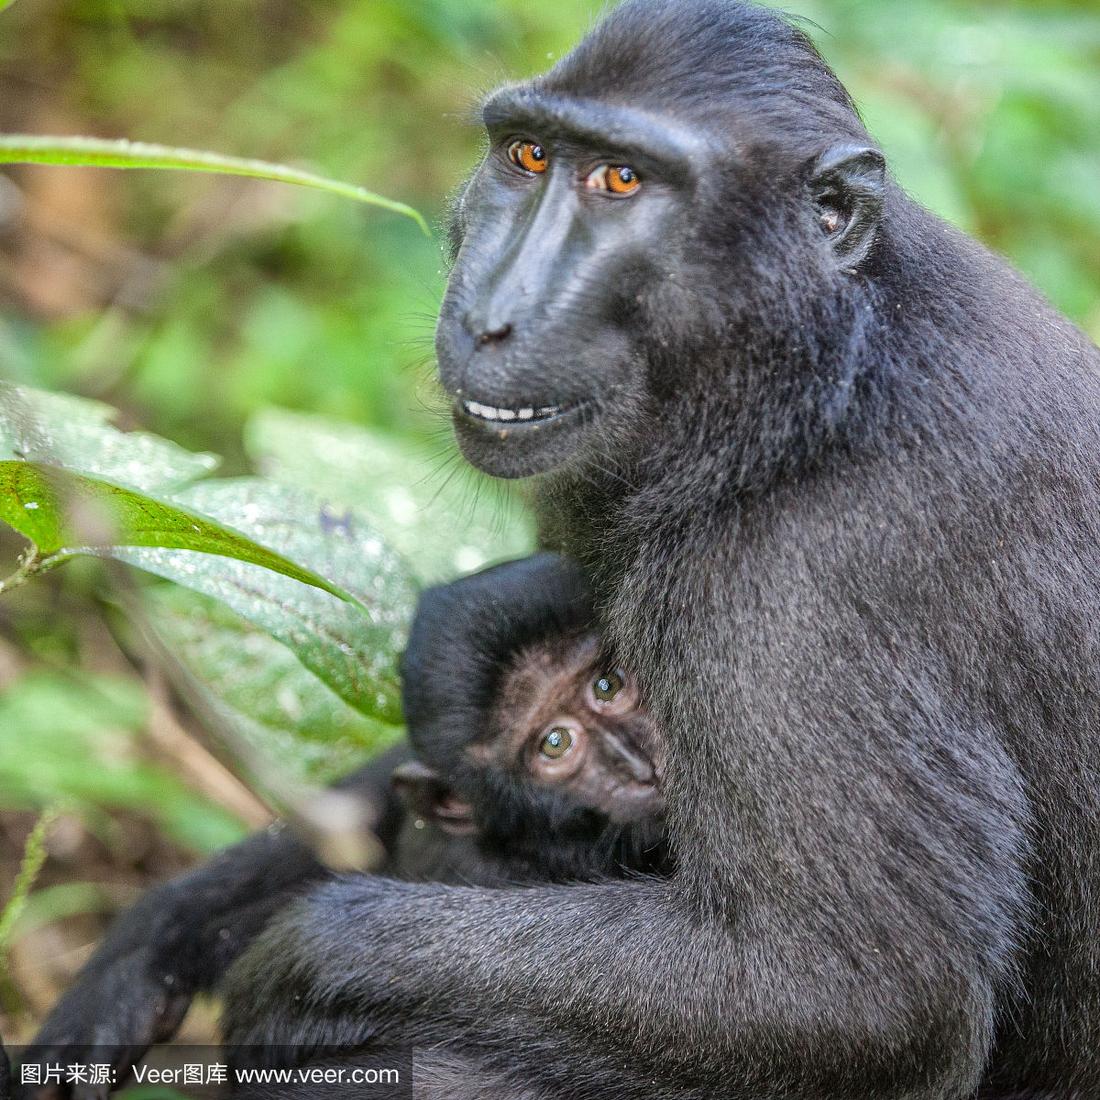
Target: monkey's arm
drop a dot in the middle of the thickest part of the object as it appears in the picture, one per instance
(181, 936)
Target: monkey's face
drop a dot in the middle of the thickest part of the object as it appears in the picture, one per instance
(573, 218)
(635, 229)
(553, 764)
(567, 722)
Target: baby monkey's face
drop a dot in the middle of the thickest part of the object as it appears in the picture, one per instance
(565, 718)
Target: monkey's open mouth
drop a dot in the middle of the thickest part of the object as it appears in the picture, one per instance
(527, 413)
(522, 440)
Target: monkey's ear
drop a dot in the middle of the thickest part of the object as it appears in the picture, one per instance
(848, 183)
(429, 797)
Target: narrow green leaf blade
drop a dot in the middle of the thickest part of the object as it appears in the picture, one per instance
(107, 153)
(38, 502)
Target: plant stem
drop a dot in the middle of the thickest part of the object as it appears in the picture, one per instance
(34, 855)
(30, 562)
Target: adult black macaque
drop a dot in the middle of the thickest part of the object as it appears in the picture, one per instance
(831, 468)
(551, 775)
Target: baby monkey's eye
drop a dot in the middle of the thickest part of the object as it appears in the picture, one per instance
(556, 742)
(607, 686)
(528, 155)
(619, 179)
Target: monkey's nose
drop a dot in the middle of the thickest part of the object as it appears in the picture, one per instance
(630, 760)
(495, 335)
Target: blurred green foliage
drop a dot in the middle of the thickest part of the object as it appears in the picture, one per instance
(196, 303)
(57, 723)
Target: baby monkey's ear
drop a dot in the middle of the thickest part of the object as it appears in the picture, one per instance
(429, 797)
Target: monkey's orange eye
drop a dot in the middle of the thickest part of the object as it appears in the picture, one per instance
(556, 742)
(528, 156)
(619, 179)
(606, 687)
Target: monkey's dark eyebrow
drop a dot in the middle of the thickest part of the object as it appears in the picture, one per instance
(625, 130)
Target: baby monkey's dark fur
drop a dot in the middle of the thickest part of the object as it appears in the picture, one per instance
(470, 714)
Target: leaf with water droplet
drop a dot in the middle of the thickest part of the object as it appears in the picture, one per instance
(57, 429)
(442, 525)
(64, 514)
(353, 647)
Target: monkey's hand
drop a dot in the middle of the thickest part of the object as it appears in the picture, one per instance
(182, 936)
(175, 942)
(130, 996)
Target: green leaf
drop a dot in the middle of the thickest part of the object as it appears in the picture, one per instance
(442, 526)
(353, 647)
(34, 856)
(262, 691)
(56, 429)
(100, 153)
(30, 503)
(39, 501)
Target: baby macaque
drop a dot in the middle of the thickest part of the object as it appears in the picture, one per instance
(561, 780)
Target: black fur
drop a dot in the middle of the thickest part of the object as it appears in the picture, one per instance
(844, 520)
(181, 936)
(461, 640)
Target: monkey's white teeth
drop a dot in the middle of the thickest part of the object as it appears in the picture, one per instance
(490, 412)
